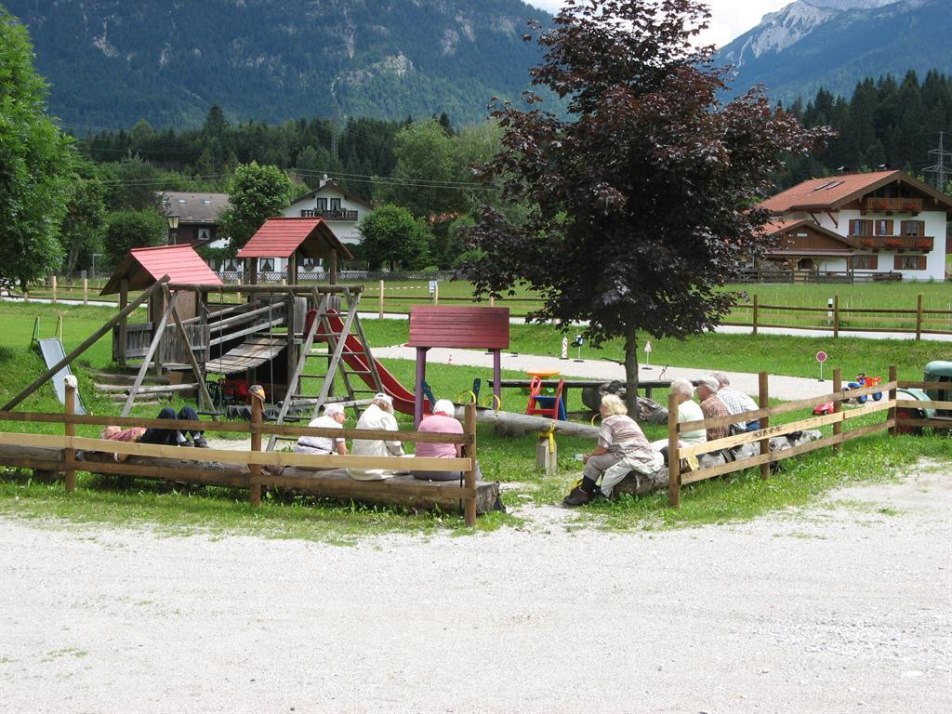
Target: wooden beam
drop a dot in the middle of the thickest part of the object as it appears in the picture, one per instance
(156, 339)
(89, 342)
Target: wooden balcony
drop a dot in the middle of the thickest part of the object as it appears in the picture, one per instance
(892, 205)
(923, 244)
(337, 214)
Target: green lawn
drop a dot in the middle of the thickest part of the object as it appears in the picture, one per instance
(510, 460)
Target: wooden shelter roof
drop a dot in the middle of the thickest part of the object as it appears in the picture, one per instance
(142, 267)
(281, 237)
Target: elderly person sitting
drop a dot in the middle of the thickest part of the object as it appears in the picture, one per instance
(621, 447)
(332, 418)
(736, 402)
(688, 410)
(712, 406)
(441, 421)
(379, 415)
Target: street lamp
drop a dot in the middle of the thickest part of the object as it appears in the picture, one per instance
(173, 229)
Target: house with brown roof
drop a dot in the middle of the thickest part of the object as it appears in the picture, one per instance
(193, 217)
(342, 211)
(885, 222)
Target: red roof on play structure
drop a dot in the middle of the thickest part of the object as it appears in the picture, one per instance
(281, 237)
(143, 266)
(476, 327)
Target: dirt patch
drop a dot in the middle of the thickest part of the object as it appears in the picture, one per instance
(841, 607)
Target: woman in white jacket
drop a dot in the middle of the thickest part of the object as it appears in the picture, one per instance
(379, 415)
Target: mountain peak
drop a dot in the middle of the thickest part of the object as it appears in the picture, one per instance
(835, 43)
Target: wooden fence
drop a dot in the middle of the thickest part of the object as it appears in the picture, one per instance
(249, 469)
(838, 419)
(835, 317)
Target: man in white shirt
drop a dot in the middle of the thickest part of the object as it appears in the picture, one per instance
(736, 402)
(332, 418)
(379, 415)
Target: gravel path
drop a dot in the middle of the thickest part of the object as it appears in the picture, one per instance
(839, 608)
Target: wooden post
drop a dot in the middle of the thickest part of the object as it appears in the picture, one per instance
(755, 313)
(59, 327)
(53, 285)
(124, 322)
(255, 469)
(470, 477)
(919, 318)
(836, 316)
(69, 454)
(674, 458)
(837, 406)
(380, 302)
(492, 301)
(763, 401)
(85, 291)
(436, 292)
(891, 414)
(333, 268)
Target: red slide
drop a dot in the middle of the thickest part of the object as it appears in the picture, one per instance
(356, 358)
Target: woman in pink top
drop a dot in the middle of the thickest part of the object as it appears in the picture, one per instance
(441, 421)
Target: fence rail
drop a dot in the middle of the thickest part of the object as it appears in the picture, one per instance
(263, 467)
(833, 318)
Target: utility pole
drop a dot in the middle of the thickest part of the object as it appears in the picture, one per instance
(939, 168)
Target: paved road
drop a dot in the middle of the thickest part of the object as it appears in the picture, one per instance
(786, 388)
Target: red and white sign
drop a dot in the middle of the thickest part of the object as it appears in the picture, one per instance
(821, 356)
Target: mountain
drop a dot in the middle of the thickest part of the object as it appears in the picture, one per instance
(113, 62)
(834, 44)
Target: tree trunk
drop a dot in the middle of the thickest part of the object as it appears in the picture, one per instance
(631, 373)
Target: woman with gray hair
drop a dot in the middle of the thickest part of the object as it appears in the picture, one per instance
(441, 421)
(621, 448)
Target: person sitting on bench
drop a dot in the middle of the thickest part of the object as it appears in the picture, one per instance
(378, 416)
(156, 435)
(332, 418)
(441, 421)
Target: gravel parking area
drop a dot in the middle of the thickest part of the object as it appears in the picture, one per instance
(842, 607)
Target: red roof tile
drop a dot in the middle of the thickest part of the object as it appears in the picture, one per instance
(281, 237)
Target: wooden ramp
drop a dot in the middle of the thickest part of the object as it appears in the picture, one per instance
(251, 353)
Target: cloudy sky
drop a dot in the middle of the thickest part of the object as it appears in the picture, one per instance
(729, 18)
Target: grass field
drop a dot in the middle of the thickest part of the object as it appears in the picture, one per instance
(99, 500)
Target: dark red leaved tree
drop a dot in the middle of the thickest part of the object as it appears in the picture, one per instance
(638, 205)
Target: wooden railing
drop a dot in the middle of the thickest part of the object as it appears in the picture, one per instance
(251, 469)
(892, 205)
(888, 405)
(334, 214)
(923, 243)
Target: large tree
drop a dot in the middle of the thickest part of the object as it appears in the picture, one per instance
(640, 201)
(391, 236)
(36, 161)
(256, 193)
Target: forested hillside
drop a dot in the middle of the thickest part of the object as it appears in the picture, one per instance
(887, 122)
(113, 62)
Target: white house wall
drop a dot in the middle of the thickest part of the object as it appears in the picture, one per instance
(346, 231)
(935, 226)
